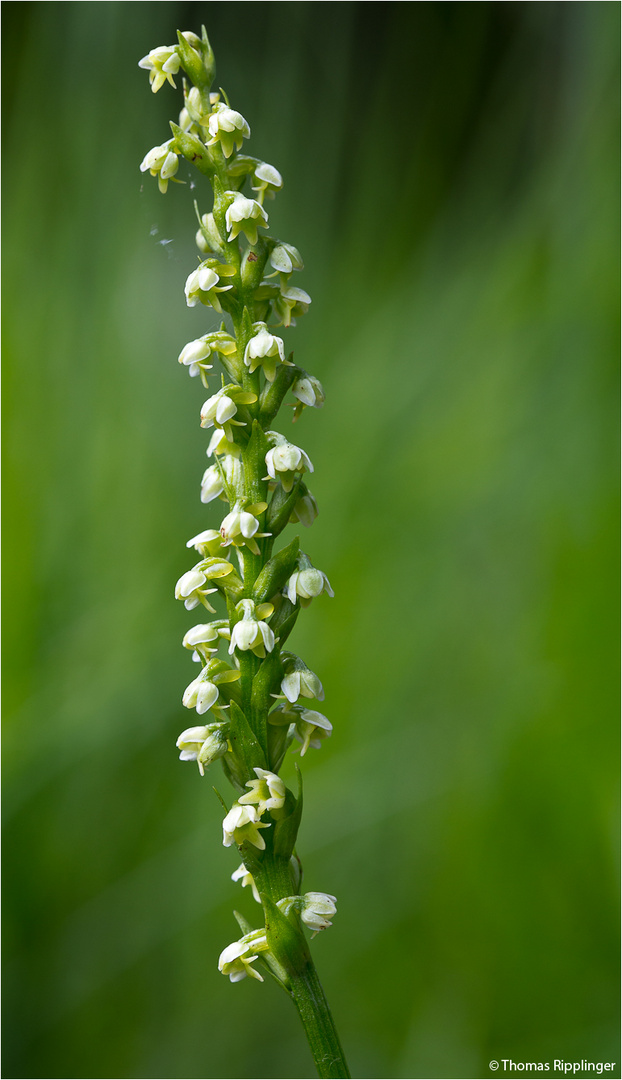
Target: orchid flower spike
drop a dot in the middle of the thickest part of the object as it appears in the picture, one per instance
(257, 702)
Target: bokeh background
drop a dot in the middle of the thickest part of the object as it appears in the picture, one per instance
(451, 181)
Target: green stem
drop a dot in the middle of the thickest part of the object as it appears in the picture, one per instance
(303, 984)
(310, 1000)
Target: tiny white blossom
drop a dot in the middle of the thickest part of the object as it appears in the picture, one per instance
(220, 444)
(252, 632)
(202, 287)
(240, 527)
(207, 543)
(190, 589)
(268, 181)
(200, 634)
(237, 959)
(242, 823)
(228, 474)
(196, 108)
(307, 725)
(264, 350)
(311, 729)
(220, 409)
(208, 238)
(285, 460)
(300, 681)
(204, 639)
(245, 215)
(161, 63)
(217, 410)
(202, 744)
(242, 875)
(309, 391)
(201, 694)
(290, 303)
(267, 791)
(307, 584)
(217, 478)
(315, 909)
(186, 122)
(227, 127)
(162, 162)
(195, 353)
(286, 258)
(212, 484)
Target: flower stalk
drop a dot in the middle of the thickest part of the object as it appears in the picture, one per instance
(257, 701)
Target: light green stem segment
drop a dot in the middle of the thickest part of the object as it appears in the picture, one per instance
(303, 984)
(310, 1000)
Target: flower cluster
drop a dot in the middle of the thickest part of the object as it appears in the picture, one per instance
(258, 699)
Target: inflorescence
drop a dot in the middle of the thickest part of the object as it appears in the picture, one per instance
(259, 699)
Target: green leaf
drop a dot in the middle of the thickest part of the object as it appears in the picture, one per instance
(255, 464)
(286, 829)
(284, 620)
(286, 941)
(266, 681)
(192, 149)
(200, 69)
(244, 741)
(281, 506)
(276, 572)
(273, 393)
(243, 923)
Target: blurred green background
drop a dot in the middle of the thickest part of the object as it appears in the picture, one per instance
(451, 182)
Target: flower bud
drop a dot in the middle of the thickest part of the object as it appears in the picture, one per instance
(208, 238)
(317, 909)
(212, 484)
(305, 510)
